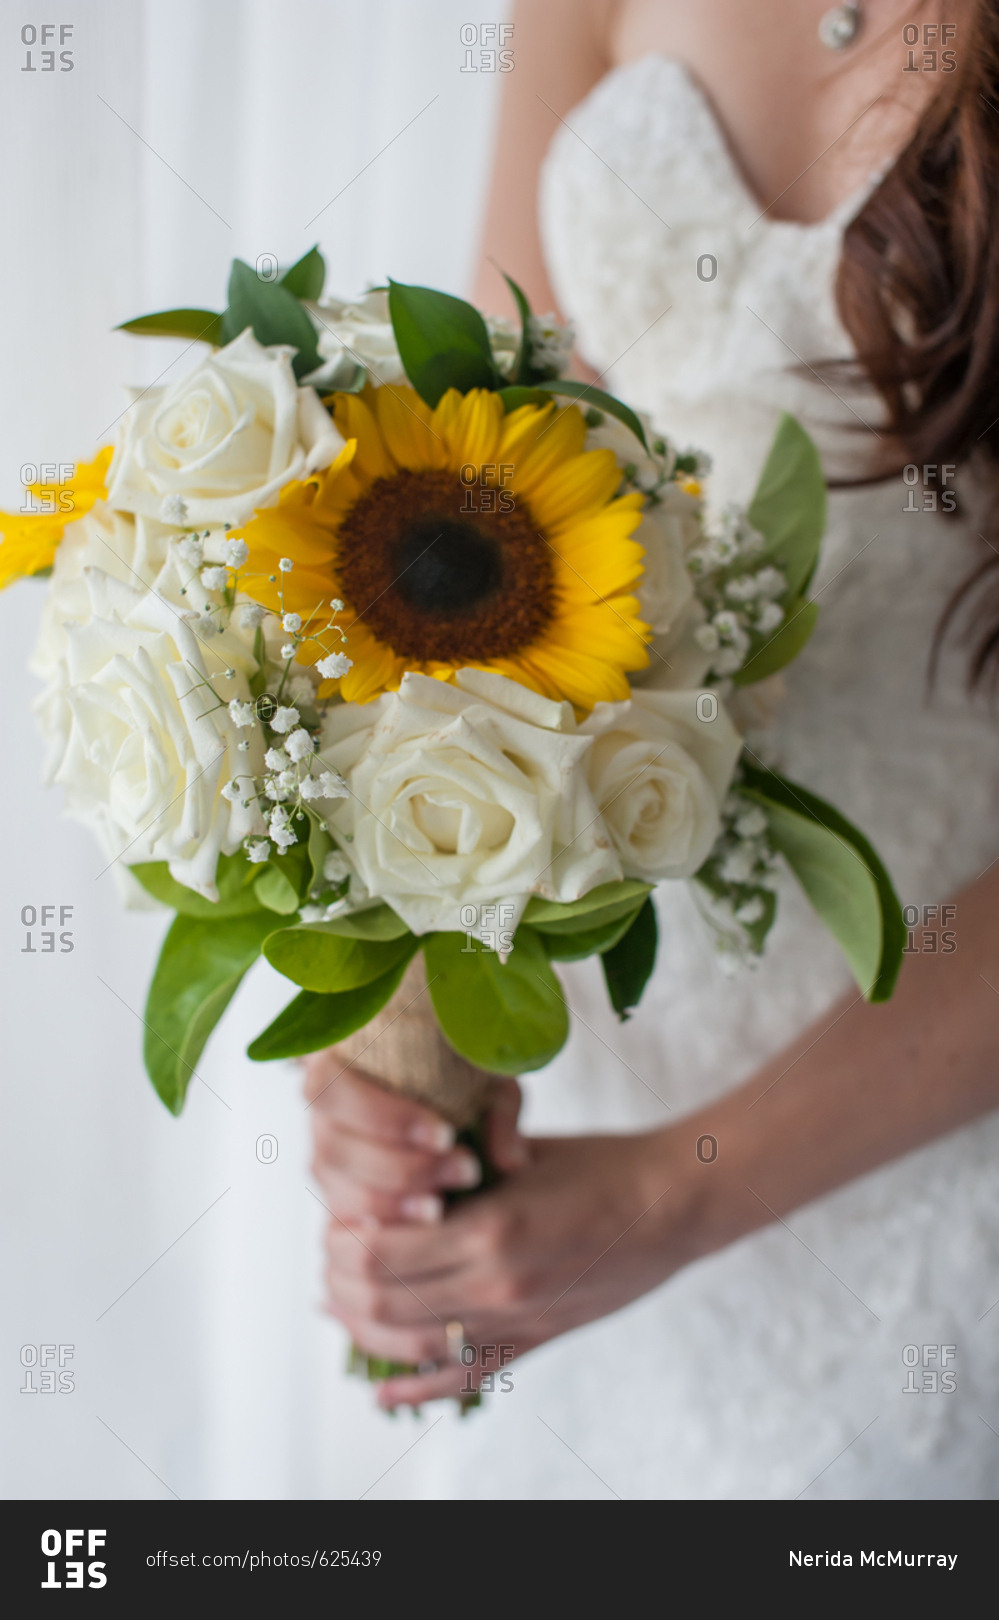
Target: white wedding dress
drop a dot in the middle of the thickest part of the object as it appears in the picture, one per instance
(778, 1366)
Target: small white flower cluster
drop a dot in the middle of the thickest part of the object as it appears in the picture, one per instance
(333, 665)
(738, 599)
(665, 465)
(551, 344)
(218, 579)
(746, 854)
(656, 470)
(345, 891)
(289, 783)
(733, 887)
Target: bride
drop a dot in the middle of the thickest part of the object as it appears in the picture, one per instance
(750, 1238)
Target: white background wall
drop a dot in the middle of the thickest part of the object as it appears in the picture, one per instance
(212, 1374)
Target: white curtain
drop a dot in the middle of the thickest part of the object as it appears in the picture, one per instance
(182, 1270)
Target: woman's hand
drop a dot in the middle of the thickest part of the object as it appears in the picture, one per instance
(578, 1227)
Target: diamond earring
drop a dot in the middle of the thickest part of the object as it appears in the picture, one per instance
(841, 25)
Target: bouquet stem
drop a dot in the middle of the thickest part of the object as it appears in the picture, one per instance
(402, 1048)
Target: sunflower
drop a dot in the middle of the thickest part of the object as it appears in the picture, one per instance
(460, 536)
(30, 539)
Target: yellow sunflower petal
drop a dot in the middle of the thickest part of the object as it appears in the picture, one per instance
(472, 431)
(578, 676)
(376, 669)
(564, 436)
(406, 423)
(597, 570)
(611, 631)
(521, 430)
(356, 420)
(576, 489)
(30, 539)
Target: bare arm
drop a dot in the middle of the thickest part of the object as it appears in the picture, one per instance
(559, 55)
(865, 1085)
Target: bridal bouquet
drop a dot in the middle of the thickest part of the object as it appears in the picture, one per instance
(381, 648)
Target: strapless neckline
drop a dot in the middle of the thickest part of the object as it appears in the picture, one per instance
(679, 78)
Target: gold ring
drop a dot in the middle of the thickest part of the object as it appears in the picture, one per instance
(454, 1334)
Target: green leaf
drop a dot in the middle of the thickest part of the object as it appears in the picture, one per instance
(571, 389)
(628, 965)
(318, 847)
(840, 873)
(522, 369)
(604, 904)
(275, 890)
(773, 652)
(273, 312)
(318, 958)
(378, 922)
(233, 879)
(443, 342)
(507, 1017)
(199, 970)
(575, 947)
(282, 884)
(514, 397)
(179, 323)
(312, 1021)
(307, 276)
(789, 506)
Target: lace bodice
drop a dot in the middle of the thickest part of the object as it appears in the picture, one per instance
(704, 308)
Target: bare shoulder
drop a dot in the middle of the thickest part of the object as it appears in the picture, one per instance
(562, 41)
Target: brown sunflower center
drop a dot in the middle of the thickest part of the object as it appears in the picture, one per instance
(443, 570)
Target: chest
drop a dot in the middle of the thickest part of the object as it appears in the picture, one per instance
(804, 124)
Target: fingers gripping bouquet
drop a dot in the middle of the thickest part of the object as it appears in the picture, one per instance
(384, 650)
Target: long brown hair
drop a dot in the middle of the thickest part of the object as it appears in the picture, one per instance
(918, 292)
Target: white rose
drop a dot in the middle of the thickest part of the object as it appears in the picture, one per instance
(659, 775)
(137, 721)
(222, 441)
(357, 332)
(465, 795)
(129, 549)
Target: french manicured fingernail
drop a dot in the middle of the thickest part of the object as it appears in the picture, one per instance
(435, 1134)
(423, 1207)
(461, 1170)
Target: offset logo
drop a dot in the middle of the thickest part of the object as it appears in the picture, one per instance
(63, 1568)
